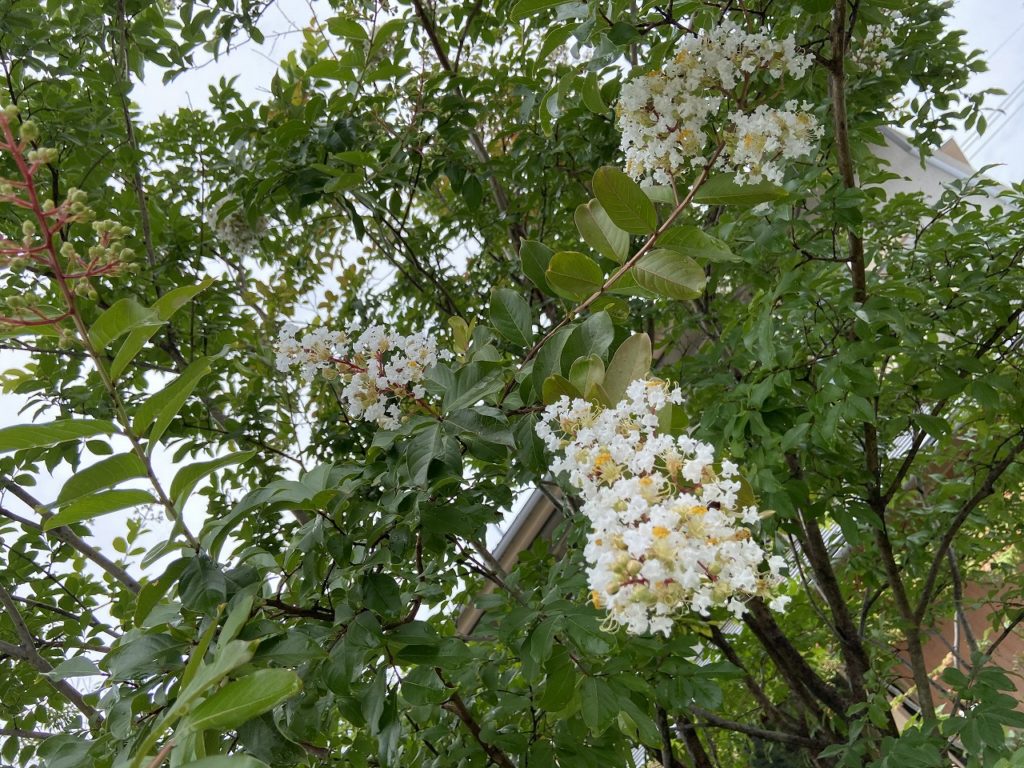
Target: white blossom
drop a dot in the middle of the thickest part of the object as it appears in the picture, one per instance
(378, 368)
(669, 117)
(872, 52)
(668, 532)
(234, 229)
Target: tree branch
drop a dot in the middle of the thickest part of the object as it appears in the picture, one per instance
(66, 535)
(711, 720)
(987, 487)
(29, 654)
(457, 706)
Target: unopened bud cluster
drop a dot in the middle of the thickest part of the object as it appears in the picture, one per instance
(378, 368)
(670, 118)
(669, 535)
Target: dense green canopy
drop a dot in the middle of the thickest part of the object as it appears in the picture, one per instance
(286, 575)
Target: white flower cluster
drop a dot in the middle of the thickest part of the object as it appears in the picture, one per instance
(667, 117)
(766, 134)
(669, 535)
(234, 230)
(872, 52)
(379, 368)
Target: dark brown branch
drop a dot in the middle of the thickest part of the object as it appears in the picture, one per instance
(986, 489)
(855, 658)
(958, 600)
(26, 651)
(66, 535)
(720, 641)
(458, 707)
(711, 720)
(799, 675)
(694, 748)
(20, 733)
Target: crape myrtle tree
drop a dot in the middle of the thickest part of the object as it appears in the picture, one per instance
(639, 255)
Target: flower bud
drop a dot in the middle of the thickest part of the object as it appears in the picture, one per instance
(29, 131)
(28, 228)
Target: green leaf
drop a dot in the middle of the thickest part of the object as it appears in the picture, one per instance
(165, 307)
(188, 476)
(587, 373)
(722, 189)
(226, 761)
(123, 316)
(425, 446)
(600, 704)
(511, 316)
(535, 258)
(670, 274)
(241, 700)
(44, 435)
(697, 244)
(348, 28)
(102, 474)
(98, 504)
(555, 386)
(591, 94)
(161, 408)
(591, 337)
(600, 233)
(624, 202)
(631, 361)
(574, 276)
(76, 666)
(549, 359)
(421, 686)
(526, 8)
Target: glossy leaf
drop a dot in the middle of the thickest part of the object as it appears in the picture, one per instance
(722, 189)
(511, 316)
(123, 316)
(103, 474)
(631, 361)
(696, 244)
(573, 275)
(105, 502)
(244, 699)
(624, 201)
(670, 274)
(43, 435)
(600, 233)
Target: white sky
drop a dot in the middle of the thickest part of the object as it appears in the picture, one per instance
(993, 25)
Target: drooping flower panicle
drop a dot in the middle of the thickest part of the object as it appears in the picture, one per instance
(378, 368)
(671, 117)
(669, 535)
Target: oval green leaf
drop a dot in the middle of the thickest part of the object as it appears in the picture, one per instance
(241, 700)
(44, 435)
(600, 233)
(697, 244)
(722, 189)
(624, 201)
(511, 316)
(103, 474)
(535, 258)
(98, 504)
(572, 275)
(631, 361)
(670, 274)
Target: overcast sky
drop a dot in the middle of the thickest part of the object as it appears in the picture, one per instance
(993, 25)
